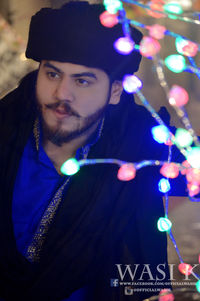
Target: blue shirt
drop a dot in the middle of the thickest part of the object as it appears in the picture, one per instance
(36, 183)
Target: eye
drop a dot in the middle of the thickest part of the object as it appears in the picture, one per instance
(83, 82)
(52, 75)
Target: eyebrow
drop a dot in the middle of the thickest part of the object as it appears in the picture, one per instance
(75, 75)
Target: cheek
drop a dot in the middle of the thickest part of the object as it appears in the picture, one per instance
(43, 92)
(92, 102)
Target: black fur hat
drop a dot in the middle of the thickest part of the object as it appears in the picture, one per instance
(74, 34)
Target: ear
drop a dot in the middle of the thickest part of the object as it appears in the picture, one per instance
(116, 91)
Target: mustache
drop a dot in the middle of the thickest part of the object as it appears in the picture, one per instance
(65, 105)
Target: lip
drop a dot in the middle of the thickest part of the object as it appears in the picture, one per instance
(61, 114)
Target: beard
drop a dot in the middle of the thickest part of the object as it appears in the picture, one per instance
(57, 135)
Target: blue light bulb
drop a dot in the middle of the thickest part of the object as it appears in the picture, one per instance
(164, 185)
(160, 133)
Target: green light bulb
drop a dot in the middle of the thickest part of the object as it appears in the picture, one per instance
(112, 6)
(70, 167)
(183, 138)
(164, 224)
(198, 286)
(193, 157)
(174, 8)
(175, 62)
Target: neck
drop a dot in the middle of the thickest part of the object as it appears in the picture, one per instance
(59, 154)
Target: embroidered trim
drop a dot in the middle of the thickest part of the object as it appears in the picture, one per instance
(34, 249)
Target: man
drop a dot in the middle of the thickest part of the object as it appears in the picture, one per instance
(78, 237)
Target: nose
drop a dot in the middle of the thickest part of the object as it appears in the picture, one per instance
(64, 91)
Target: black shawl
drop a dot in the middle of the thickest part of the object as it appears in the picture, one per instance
(101, 222)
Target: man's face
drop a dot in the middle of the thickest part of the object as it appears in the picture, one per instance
(72, 98)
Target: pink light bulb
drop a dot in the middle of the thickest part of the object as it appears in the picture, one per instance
(185, 268)
(126, 172)
(149, 46)
(190, 49)
(169, 170)
(155, 5)
(108, 20)
(166, 297)
(193, 188)
(178, 96)
(124, 45)
(193, 175)
(157, 31)
(187, 169)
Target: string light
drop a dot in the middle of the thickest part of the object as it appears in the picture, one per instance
(187, 166)
(160, 133)
(112, 6)
(193, 189)
(157, 31)
(164, 185)
(193, 175)
(183, 138)
(124, 45)
(108, 20)
(185, 269)
(126, 172)
(155, 6)
(149, 47)
(166, 295)
(164, 224)
(131, 83)
(198, 286)
(173, 7)
(175, 62)
(178, 96)
(186, 47)
(70, 167)
(170, 170)
(193, 156)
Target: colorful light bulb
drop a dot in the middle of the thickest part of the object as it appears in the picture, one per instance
(183, 138)
(185, 268)
(198, 286)
(193, 156)
(164, 224)
(149, 47)
(124, 45)
(126, 172)
(70, 167)
(186, 47)
(178, 96)
(155, 6)
(193, 175)
(188, 167)
(157, 31)
(160, 133)
(108, 20)
(131, 83)
(186, 4)
(173, 7)
(169, 170)
(168, 296)
(193, 188)
(164, 185)
(175, 62)
(112, 6)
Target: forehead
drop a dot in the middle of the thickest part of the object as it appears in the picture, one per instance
(72, 69)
